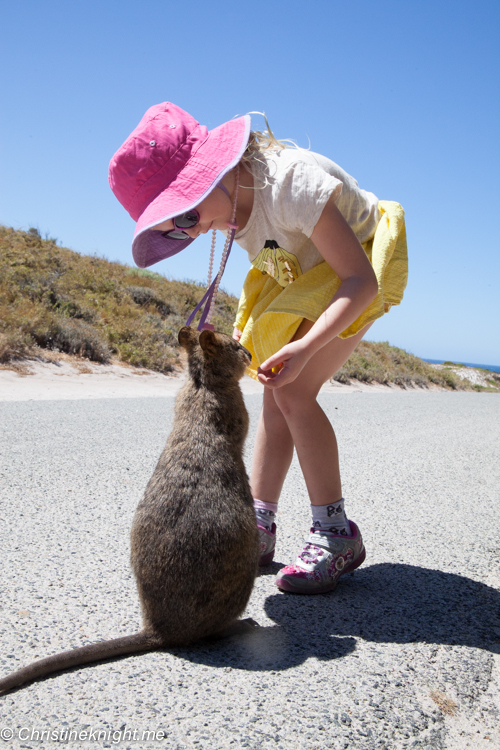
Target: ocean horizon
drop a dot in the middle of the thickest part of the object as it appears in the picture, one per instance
(493, 368)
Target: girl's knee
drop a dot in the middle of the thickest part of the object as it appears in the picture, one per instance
(290, 400)
(270, 409)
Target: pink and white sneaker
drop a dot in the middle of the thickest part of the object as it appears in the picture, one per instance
(323, 560)
(267, 538)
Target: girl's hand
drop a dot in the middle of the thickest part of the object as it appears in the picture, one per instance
(340, 248)
(287, 365)
(237, 334)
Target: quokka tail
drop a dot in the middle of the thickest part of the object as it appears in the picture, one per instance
(129, 644)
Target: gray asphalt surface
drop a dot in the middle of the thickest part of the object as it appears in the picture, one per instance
(351, 669)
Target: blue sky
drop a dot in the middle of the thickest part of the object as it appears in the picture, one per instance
(404, 95)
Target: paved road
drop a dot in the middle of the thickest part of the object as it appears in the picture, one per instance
(354, 668)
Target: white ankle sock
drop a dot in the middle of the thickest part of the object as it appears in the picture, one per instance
(265, 513)
(331, 518)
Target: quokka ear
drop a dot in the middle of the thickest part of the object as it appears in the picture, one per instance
(208, 342)
(187, 337)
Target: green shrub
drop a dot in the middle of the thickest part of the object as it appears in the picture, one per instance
(378, 362)
(144, 296)
(72, 337)
(14, 345)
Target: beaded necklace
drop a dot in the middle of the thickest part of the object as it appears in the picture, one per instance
(213, 286)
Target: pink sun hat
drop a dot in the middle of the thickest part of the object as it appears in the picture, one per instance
(167, 166)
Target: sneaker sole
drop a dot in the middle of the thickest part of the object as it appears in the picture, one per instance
(296, 588)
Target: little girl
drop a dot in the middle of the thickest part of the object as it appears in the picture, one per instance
(327, 259)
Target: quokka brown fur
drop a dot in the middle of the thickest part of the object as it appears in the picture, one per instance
(194, 539)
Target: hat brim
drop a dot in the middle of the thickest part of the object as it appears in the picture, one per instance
(221, 150)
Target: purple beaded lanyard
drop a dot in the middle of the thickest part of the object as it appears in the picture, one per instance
(213, 286)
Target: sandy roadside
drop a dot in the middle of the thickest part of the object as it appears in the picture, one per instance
(69, 378)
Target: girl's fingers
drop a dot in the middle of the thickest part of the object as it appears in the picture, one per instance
(282, 368)
(270, 372)
(272, 377)
(276, 381)
(275, 361)
(266, 379)
(272, 368)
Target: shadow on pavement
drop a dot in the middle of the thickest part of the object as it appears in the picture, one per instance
(385, 603)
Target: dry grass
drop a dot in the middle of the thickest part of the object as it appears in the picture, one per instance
(55, 299)
(447, 705)
(381, 363)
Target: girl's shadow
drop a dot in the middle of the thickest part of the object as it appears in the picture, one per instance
(384, 603)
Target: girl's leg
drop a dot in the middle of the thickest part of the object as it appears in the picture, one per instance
(272, 453)
(292, 416)
(272, 456)
(331, 550)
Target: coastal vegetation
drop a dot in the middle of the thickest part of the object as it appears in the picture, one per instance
(55, 299)
(52, 298)
(378, 362)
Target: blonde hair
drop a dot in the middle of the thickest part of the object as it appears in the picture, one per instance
(261, 142)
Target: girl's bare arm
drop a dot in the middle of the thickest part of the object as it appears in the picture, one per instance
(341, 249)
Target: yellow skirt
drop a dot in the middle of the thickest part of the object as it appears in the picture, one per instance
(269, 315)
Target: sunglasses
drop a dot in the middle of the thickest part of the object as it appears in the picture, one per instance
(184, 221)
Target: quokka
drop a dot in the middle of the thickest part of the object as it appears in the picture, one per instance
(194, 539)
